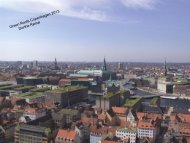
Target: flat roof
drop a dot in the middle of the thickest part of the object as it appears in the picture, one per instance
(111, 94)
(132, 102)
(33, 128)
(67, 89)
(30, 95)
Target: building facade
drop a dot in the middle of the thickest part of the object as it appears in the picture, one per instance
(67, 96)
(34, 113)
(32, 134)
(127, 133)
(66, 136)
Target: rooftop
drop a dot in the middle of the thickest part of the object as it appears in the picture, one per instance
(149, 124)
(67, 89)
(40, 89)
(90, 72)
(153, 116)
(120, 110)
(67, 134)
(181, 80)
(7, 84)
(24, 87)
(33, 128)
(132, 102)
(154, 101)
(30, 77)
(30, 95)
(69, 111)
(111, 94)
(10, 87)
(131, 130)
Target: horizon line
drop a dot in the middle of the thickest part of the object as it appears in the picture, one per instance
(156, 62)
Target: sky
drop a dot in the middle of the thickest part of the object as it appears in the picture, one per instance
(89, 30)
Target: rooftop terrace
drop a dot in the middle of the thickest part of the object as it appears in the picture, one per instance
(10, 87)
(132, 102)
(30, 95)
(67, 89)
(111, 94)
(40, 89)
(154, 101)
(24, 87)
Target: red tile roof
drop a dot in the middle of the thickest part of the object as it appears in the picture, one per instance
(67, 134)
(146, 124)
(184, 117)
(86, 120)
(103, 129)
(152, 116)
(120, 110)
(185, 131)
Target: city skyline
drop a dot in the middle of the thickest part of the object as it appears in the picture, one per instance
(123, 30)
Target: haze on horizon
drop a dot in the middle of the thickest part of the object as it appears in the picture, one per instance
(120, 30)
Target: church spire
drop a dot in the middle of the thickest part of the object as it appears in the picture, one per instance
(166, 70)
(56, 65)
(104, 68)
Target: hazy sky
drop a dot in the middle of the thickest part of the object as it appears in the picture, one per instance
(89, 30)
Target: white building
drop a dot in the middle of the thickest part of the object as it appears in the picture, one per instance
(95, 138)
(164, 86)
(147, 129)
(97, 134)
(127, 133)
(34, 113)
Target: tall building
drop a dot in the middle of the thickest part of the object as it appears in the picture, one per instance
(164, 85)
(32, 134)
(35, 64)
(120, 66)
(56, 67)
